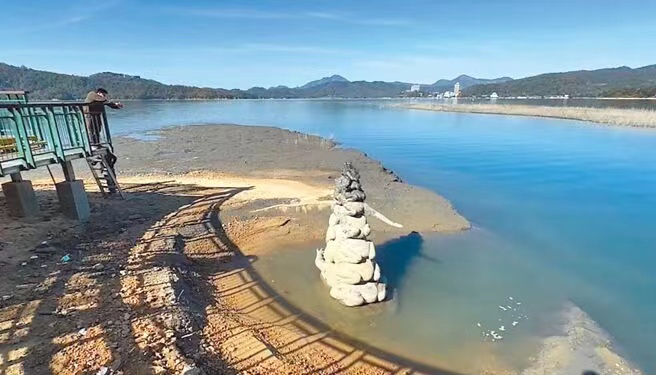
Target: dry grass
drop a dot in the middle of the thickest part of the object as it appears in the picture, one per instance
(639, 118)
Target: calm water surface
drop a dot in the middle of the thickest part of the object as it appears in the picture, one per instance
(562, 211)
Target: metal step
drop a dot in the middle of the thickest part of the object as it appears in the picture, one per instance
(104, 176)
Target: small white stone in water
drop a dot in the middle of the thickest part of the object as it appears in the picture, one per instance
(502, 308)
(508, 307)
(478, 324)
(502, 328)
(510, 298)
(519, 303)
(514, 323)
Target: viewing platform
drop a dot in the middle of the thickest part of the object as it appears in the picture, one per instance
(35, 135)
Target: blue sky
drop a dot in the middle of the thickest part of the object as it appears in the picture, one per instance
(239, 44)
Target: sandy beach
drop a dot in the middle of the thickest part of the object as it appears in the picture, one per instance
(163, 282)
(636, 118)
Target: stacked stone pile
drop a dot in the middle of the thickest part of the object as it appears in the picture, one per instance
(348, 262)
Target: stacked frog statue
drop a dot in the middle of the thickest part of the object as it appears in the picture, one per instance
(348, 262)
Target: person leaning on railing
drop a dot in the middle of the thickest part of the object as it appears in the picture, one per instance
(97, 100)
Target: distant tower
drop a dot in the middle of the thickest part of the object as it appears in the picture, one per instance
(456, 89)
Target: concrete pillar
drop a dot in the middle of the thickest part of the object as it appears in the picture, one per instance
(21, 199)
(73, 200)
(69, 172)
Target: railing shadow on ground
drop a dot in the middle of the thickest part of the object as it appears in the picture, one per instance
(77, 310)
(184, 234)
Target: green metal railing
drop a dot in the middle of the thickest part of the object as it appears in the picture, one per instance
(37, 134)
(13, 97)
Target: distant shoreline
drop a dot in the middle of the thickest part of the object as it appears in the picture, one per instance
(635, 118)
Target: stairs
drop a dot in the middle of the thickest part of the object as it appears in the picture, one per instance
(104, 176)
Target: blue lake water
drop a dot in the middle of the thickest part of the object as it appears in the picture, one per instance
(562, 210)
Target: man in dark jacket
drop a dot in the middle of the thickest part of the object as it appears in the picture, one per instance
(97, 100)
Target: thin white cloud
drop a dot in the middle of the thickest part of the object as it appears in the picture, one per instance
(326, 15)
(230, 13)
(265, 47)
(74, 16)
(252, 14)
(199, 50)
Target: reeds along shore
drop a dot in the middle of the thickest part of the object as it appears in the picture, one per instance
(639, 118)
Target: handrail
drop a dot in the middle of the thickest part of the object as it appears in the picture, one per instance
(37, 134)
(42, 104)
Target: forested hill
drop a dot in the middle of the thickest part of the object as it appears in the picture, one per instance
(590, 83)
(613, 82)
(47, 85)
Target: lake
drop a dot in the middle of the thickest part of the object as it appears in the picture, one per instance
(562, 211)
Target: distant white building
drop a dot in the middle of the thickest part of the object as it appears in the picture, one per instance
(448, 94)
(494, 95)
(456, 89)
(415, 88)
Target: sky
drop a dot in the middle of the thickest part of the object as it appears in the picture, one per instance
(245, 43)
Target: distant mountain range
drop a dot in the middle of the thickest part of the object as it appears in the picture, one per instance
(623, 81)
(48, 85)
(464, 80)
(613, 82)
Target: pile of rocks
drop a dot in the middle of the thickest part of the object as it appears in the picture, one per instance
(347, 263)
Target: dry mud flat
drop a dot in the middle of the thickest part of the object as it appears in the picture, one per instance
(265, 152)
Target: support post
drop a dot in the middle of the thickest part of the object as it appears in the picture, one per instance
(20, 197)
(69, 172)
(72, 196)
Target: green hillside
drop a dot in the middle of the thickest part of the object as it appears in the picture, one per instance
(589, 83)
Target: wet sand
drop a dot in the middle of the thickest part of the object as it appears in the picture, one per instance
(581, 345)
(272, 153)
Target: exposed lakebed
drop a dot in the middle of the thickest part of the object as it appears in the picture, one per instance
(562, 211)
